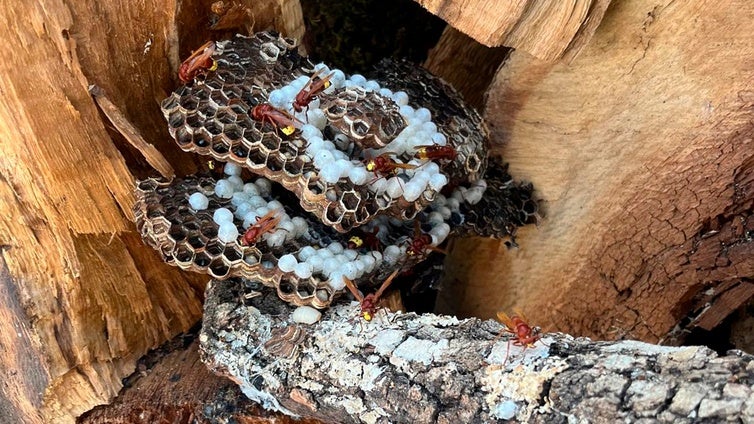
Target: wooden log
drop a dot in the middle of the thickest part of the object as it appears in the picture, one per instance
(82, 297)
(438, 369)
(641, 149)
(172, 386)
(545, 29)
(465, 64)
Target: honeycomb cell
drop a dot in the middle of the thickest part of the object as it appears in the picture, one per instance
(233, 132)
(218, 97)
(350, 201)
(177, 233)
(306, 289)
(183, 137)
(209, 230)
(176, 119)
(214, 248)
(202, 260)
(239, 152)
(202, 139)
(189, 102)
(271, 141)
(218, 268)
(220, 147)
(184, 254)
(233, 253)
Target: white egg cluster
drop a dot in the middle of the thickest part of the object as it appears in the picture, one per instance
(332, 262)
(249, 203)
(334, 164)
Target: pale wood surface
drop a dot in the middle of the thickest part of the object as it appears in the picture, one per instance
(642, 151)
(465, 64)
(545, 29)
(82, 297)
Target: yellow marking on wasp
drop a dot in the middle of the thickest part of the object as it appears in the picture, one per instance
(288, 130)
(356, 240)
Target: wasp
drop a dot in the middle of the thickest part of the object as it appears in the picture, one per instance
(384, 165)
(369, 303)
(264, 224)
(200, 61)
(436, 152)
(265, 112)
(523, 334)
(421, 242)
(370, 240)
(315, 86)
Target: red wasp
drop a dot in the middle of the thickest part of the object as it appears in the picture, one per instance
(363, 238)
(315, 86)
(264, 224)
(282, 120)
(421, 242)
(199, 61)
(523, 334)
(384, 165)
(369, 303)
(436, 151)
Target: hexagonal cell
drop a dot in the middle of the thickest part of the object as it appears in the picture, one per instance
(214, 84)
(219, 97)
(220, 145)
(189, 102)
(214, 248)
(213, 127)
(275, 161)
(233, 253)
(350, 200)
(176, 119)
(286, 287)
(184, 254)
(226, 116)
(201, 91)
(147, 185)
(233, 132)
(306, 289)
(218, 268)
(271, 141)
(251, 134)
(177, 233)
(201, 260)
(209, 230)
(333, 213)
(183, 136)
(193, 120)
(239, 152)
(170, 103)
(202, 139)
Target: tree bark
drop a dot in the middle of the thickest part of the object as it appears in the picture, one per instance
(172, 386)
(429, 368)
(641, 149)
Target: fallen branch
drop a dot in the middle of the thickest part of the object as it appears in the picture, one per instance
(429, 368)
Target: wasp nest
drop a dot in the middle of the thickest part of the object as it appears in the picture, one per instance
(327, 176)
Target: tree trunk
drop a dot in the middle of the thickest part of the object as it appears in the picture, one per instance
(404, 368)
(83, 298)
(641, 149)
(545, 29)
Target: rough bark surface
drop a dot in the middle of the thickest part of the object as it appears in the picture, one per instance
(172, 386)
(642, 151)
(82, 297)
(545, 29)
(425, 369)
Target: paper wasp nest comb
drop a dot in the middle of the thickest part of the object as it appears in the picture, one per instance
(327, 175)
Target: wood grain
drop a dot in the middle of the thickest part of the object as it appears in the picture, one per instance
(82, 297)
(545, 29)
(642, 151)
